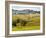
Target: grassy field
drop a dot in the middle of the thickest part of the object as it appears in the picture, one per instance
(33, 25)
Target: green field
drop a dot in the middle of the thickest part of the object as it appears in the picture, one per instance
(33, 25)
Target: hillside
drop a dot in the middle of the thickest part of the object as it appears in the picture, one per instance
(26, 11)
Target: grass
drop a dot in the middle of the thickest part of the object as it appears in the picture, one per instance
(26, 28)
(33, 25)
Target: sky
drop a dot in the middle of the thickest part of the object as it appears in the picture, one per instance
(22, 7)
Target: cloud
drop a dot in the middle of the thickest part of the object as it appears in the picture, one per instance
(25, 7)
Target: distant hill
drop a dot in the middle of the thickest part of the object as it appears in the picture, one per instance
(26, 11)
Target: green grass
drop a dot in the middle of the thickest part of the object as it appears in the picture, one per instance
(33, 25)
(26, 28)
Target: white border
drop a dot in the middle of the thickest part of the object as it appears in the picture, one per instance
(24, 32)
